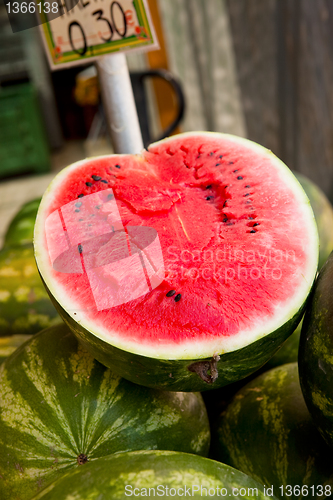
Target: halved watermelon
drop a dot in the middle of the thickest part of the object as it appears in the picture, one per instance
(185, 267)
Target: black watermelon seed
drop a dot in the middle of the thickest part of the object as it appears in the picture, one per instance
(255, 224)
(209, 187)
(239, 177)
(77, 210)
(248, 186)
(81, 195)
(225, 219)
(96, 177)
(235, 170)
(231, 162)
(98, 207)
(225, 203)
(118, 166)
(110, 196)
(221, 156)
(253, 231)
(78, 204)
(251, 218)
(89, 184)
(211, 153)
(80, 248)
(178, 297)
(209, 198)
(247, 194)
(105, 181)
(171, 293)
(80, 220)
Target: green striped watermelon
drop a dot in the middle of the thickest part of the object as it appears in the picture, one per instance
(185, 267)
(315, 353)
(59, 408)
(21, 228)
(268, 433)
(323, 212)
(154, 473)
(25, 307)
(217, 401)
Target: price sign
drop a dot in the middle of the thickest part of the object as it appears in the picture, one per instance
(93, 28)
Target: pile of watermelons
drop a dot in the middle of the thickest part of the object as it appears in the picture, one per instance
(72, 429)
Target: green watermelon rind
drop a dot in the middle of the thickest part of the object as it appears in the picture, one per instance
(169, 473)
(57, 403)
(175, 375)
(268, 433)
(315, 357)
(169, 366)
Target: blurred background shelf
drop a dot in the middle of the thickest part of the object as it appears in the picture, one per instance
(23, 146)
(22, 60)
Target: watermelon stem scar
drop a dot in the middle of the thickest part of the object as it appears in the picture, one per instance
(202, 368)
(82, 459)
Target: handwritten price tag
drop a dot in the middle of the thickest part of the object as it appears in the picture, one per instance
(93, 28)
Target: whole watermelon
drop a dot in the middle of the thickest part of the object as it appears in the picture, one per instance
(323, 212)
(315, 353)
(154, 473)
(25, 307)
(268, 433)
(21, 228)
(59, 408)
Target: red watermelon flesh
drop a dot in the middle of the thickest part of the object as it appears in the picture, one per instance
(217, 221)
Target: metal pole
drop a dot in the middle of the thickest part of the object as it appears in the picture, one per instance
(119, 104)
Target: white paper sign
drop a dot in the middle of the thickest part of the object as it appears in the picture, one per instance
(94, 28)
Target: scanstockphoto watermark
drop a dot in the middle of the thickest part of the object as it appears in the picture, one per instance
(228, 253)
(227, 263)
(192, 491)
(220, 272)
